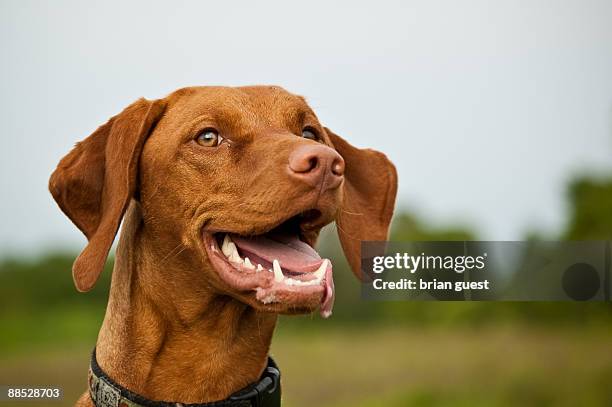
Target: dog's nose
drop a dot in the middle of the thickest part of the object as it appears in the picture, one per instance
(316, 164)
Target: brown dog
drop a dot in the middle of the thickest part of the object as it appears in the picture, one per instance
(204, 179)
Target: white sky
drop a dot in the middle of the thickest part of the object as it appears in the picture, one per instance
(486, 107)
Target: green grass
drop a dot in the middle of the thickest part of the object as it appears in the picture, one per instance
(371, 366)
(395, 366)
(25, 331)
(368, 354)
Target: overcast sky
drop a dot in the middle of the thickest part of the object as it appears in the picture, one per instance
(486, 107)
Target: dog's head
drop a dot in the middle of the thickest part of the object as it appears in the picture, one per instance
(243, 177)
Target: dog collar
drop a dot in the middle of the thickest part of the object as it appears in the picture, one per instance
(104, 392)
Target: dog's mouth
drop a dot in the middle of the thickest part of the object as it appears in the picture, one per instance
(282, 271)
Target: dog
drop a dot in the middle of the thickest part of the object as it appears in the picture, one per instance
(221, 193)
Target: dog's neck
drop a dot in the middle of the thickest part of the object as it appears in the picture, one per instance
(169, 337)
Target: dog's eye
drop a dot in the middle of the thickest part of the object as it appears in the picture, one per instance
(310, 134)
(209, 138)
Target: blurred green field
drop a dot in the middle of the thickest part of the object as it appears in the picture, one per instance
(398, 366)
(369, 353)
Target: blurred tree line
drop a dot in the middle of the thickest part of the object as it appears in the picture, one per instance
(40, 293)
(590, 217)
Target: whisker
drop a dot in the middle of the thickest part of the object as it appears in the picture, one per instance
(171, 253)
(349, 212)
(345, 232)
(180, 251)
(155, 191)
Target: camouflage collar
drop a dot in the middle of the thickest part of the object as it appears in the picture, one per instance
(104, 392)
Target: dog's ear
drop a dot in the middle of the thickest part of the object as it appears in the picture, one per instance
(370, 187)
(94, 183)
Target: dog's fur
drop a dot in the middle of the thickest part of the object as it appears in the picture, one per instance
(173, 330)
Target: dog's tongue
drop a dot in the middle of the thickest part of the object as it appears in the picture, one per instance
(289, 250)
(292, 254)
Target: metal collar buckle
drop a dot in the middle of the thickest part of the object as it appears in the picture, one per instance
(266, 393)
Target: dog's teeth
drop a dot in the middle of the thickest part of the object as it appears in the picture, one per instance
(291, 281)
(248, 264)
(321, 271)
(230, 250)
(225, 247)
(259, 268)
(235, 257)
(278, 272)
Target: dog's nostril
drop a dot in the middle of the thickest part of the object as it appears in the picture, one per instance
(313, 162)
(304, 162)
(337, 167)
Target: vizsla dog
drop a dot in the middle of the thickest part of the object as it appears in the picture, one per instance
(222, 193)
